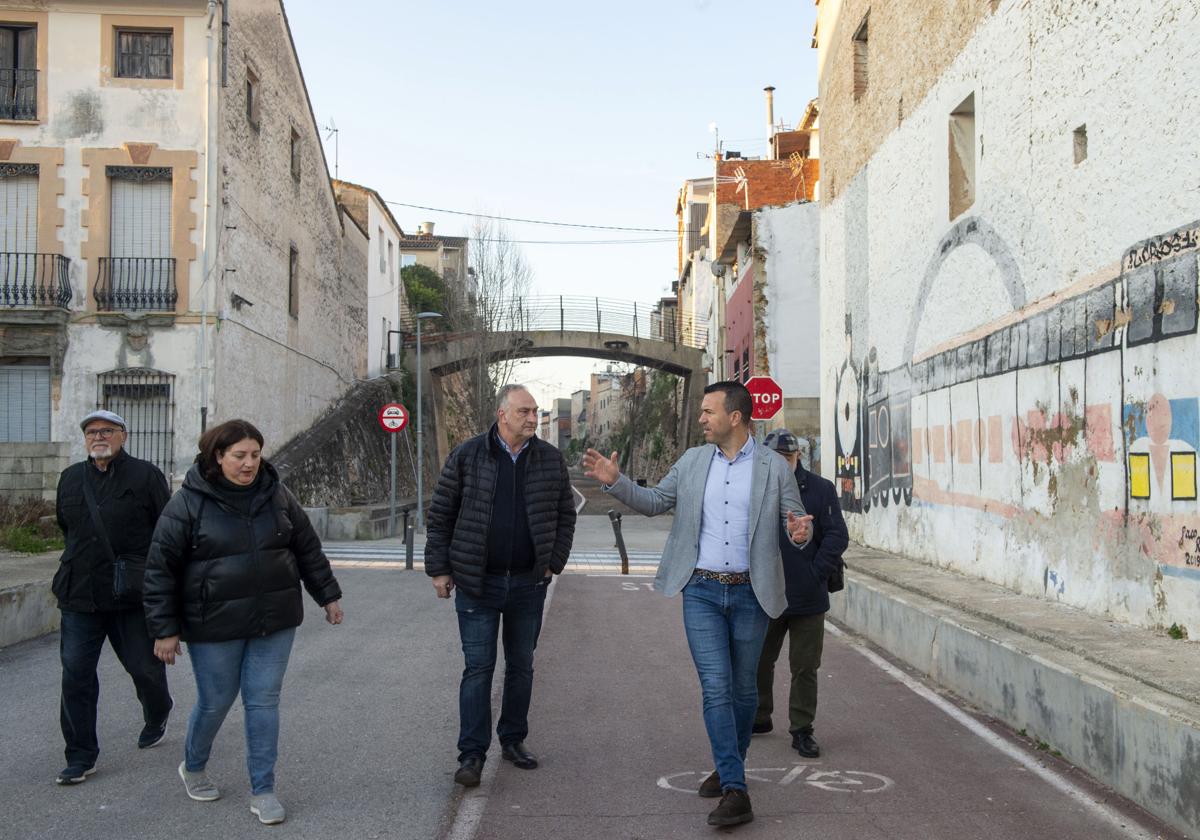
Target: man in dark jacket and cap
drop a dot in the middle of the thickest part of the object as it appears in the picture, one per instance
(806, 572)
(500, 524)
(107, 506)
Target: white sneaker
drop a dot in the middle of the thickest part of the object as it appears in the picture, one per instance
(267, 808)
(197, 784)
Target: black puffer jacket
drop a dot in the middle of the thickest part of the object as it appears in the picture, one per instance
(460, 514)
(215, 574)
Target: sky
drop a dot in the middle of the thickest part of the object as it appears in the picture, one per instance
(590, 113)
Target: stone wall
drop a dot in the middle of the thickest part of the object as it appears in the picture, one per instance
(344, 459)
(32, 469)
(1010, 392)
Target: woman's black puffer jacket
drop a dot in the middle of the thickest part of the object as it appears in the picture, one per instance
(215, 574)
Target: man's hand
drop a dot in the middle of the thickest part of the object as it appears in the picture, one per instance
(799, 527)
(603, 469)
(444, 585)
(167, 649)
(333, 612)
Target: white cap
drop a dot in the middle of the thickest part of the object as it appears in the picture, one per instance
(115, 419)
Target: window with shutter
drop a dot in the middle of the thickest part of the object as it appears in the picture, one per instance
(24, 403)
(144, 54)
(18, 72)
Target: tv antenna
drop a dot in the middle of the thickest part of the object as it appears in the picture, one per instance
(331, 130)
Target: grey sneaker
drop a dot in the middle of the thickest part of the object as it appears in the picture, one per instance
(197, 784)
(267, 808)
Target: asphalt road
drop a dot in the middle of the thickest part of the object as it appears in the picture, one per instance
(369, 724)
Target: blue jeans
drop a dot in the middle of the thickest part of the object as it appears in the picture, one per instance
(79, 644)
(255, 667)
(519, 600)
(725, 630)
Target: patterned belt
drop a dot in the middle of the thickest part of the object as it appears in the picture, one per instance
(728, 578)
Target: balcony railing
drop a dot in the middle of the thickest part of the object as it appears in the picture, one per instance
(18, 94)
(136, 284)
(34, 280)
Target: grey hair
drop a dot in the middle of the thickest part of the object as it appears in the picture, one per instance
(505, 390)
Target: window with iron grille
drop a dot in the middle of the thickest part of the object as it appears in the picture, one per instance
(144, 53)
(18, 72)
(293, 282)
(145, 398)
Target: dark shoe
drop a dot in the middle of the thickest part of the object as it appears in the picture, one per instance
(734, 809)
(152, 734)
(74, 774)
(469, 771)
(518, 755)
(710, 788)
(761, 728)
(804, 743)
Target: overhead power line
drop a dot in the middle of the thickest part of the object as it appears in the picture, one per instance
(529, 221)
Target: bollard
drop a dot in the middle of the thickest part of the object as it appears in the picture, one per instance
(409, 530)
(615, 518)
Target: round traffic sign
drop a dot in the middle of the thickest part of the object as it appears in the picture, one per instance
(767, 397)
(393, 417)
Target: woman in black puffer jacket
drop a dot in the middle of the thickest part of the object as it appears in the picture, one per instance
(229, 555)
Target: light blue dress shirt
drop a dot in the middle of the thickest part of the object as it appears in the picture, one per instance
(511, 453)
(725, 521)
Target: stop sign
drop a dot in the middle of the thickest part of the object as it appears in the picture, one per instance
(767, 397)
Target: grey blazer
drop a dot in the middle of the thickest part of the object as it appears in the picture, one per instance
(773, 494)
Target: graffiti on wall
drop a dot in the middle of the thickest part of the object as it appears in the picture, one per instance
(1095, 373)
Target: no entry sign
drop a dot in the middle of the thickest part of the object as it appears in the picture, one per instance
(393, 417)
(767, 397)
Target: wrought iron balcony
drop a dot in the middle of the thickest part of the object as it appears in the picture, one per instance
(18, 94)
(34, 280)
(136, 284)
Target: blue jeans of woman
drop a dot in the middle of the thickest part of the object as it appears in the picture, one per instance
(519, 601)
(255, 667)
(725, 628)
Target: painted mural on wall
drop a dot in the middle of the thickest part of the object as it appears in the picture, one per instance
(1093, 383)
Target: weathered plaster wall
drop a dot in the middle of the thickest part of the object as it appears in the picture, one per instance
(787, 241)
(1011, 393)
(278, 370)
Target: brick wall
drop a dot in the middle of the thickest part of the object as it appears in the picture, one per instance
(32, 469)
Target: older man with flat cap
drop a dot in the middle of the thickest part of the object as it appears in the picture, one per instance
(107, 507)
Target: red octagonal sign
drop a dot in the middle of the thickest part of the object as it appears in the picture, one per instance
(767, 396)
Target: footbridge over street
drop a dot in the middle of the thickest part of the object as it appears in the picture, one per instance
(650, 335)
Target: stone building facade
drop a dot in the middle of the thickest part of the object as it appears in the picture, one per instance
(172, 249)
(1009, 240)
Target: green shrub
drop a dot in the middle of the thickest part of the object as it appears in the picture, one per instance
(27, 525)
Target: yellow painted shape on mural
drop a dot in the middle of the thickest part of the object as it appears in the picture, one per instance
(1183, 475)
(1139, 475)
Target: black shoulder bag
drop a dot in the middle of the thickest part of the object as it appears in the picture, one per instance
(129, 570)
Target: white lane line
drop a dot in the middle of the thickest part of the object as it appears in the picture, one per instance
(1056, 781)
(474, 801)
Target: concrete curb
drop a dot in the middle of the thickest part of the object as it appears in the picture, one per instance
(27, 611)
(1138, 740)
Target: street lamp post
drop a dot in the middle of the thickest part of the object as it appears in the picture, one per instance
(421, 425)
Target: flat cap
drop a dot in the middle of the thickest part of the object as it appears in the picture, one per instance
(111, 417)
(782, 441)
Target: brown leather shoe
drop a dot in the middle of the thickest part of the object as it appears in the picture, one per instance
(710, 788)
(734, 809)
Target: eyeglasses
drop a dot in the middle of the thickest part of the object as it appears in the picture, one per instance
(100, 433)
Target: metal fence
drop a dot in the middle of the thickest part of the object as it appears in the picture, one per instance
(601, 315)
(130, 284)
(34, 280)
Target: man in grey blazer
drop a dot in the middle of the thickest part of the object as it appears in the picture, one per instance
(730, 497)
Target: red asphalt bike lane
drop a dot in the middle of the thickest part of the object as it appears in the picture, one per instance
(616, 723)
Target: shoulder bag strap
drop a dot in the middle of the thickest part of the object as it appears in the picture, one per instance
(96, 520)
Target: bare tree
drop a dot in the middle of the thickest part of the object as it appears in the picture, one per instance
(488, 302)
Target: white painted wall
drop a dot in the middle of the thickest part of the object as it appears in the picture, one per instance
(789, 239)
(1024, 473)
(385, 295)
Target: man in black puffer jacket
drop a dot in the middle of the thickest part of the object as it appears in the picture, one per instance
(500, 525)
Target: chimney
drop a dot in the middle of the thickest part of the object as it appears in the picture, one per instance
(770, 92)
(425, 229)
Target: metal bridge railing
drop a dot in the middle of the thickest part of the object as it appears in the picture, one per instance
(641, 321)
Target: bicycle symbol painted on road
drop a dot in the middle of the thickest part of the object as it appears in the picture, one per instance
(834, 781)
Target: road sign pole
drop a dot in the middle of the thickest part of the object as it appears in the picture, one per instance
(392, 510)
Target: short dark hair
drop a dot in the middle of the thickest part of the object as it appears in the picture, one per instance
(737, 398)
(216, 440)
